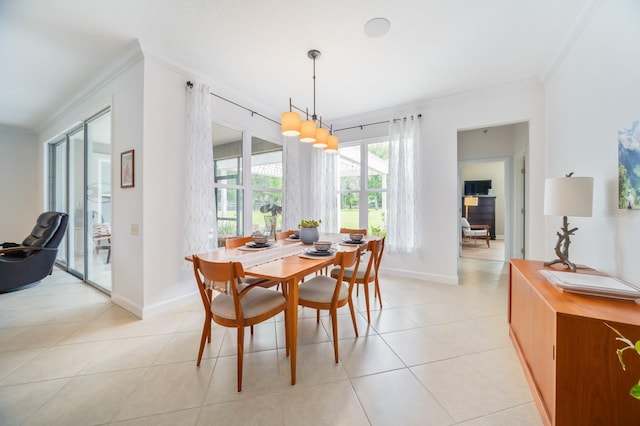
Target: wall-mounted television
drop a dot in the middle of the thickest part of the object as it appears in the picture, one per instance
(477, 187)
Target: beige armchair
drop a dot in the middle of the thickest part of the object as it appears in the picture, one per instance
(474, 232)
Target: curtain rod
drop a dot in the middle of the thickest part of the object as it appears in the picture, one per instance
(361, 126)
(190, 85)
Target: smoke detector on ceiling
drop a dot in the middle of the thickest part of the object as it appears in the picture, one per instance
(377, 27)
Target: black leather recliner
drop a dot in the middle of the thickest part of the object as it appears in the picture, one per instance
(22, 265)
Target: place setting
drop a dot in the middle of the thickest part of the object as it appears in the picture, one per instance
(260, 242)
(353, 240)
(319, 250)
(295, 236)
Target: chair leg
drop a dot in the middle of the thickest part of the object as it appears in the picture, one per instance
(286, 333)
(206, 332)
(377, 290)
(252, 330)
(318, 316)
(334, 327)
(240, 355)
(353, 316)
(366, 298)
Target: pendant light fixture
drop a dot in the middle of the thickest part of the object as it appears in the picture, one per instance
(310, 130)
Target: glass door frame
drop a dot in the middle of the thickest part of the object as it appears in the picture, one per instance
(70, 237)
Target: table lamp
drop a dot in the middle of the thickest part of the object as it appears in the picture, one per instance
(469, 201)
(567, 196)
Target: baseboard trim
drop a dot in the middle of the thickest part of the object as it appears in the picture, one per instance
(127, 304)
(161, 307)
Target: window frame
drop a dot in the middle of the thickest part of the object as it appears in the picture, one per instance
(364, 190)
(245, 185)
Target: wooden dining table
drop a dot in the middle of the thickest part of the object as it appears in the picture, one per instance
(288, 269)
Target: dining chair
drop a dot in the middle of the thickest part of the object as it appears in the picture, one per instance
(353, 231)
(365, 276)
(235, 242)
(328, 293)
(242, 306)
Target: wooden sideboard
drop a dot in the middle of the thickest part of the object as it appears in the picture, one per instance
(569, 354)
(482, 214)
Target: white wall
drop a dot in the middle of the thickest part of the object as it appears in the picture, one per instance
(167, 277)
(20, 191)
(441, 120)
(592, 94)
(122, 91)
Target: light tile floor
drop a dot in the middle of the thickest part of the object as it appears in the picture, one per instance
(435, 354)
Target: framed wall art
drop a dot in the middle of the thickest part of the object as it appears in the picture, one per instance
(629, 167)
(127, 170)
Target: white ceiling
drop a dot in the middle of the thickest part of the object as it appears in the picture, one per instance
(49, 50)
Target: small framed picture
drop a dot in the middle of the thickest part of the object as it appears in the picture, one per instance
(127, 172)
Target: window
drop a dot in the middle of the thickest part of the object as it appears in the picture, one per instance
(266, 186)
(248, 189)
(227, 169)
(364, 171)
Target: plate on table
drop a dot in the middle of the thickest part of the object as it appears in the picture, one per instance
(348, 241)
(320, 253)
(256, 245)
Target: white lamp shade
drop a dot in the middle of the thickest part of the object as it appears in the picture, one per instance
(290, 124)
(568, 196)
(308, 131)
(332, 144)
(322, 135)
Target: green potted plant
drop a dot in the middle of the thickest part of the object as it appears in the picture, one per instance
(309, 230)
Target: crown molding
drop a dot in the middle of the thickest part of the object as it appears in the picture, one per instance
(582, 18)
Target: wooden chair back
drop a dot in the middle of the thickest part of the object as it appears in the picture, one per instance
(353, 231)
(379, 257)
(373, 249)
(208, 274)
(345, 259)
(283, 235)
(235, 242)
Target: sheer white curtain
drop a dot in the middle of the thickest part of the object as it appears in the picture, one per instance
(404, 140)
(291, 187)
(316, 171)
(200, 230)
(324, 189)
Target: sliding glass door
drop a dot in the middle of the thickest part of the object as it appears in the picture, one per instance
(80, 185)
(75, 207)
(58, 189)
(98, 200)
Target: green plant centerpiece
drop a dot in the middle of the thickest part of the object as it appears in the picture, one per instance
(309, 230)
(635, 347)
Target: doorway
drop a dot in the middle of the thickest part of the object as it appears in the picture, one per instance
(491, 167)
(484, 183)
